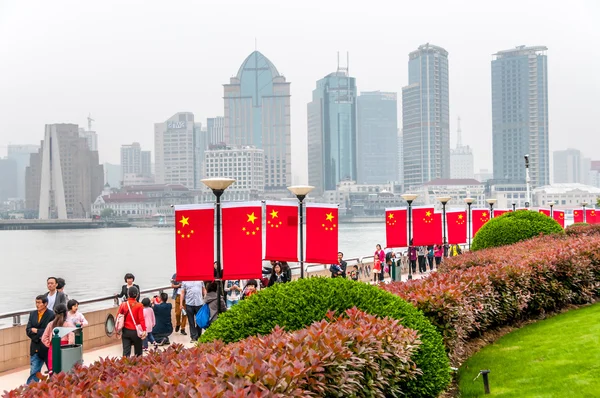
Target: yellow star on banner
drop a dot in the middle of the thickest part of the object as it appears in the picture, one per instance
(274, 214)
(329, 217)
(391, 216)
(251, 217)
(184, 221)
(428, 214)
(460, 216)
(484, 214)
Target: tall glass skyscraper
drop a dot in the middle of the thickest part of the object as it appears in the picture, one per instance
(520, 114)
(332, 131)
(257, 113)
(426, 116)
(377, 137)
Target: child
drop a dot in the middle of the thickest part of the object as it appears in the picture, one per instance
(150, 322)
(74, 316)
(250, 288)
(354, 273)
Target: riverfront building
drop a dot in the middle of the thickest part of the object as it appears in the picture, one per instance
(176, 152)
(377, 131)
(64, 177)
(332, 132)
(571, 167)
(520, 114)
(215, 131)
(8, 179)
(136, 165)
(566, 196)
(426, 116)
(21, 154)
(257, 113)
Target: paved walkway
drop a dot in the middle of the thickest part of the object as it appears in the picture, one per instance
(14, 378)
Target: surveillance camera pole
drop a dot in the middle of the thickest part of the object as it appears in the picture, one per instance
(527, 182)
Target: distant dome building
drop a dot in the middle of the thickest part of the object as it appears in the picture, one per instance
(566, 196)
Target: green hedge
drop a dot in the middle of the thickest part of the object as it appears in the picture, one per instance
(514, 227)
(296, 305)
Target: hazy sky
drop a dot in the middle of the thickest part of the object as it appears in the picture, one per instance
(133, 63)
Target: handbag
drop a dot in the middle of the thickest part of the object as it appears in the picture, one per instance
(119, 323)
(140, 332)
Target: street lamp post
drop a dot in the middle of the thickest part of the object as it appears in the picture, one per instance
(551, 204)
(301, 191)
(469, 202)
(409, 199)
(514, 205)
(218, 186)
(444, 200)
(583, 204)
(491, 202)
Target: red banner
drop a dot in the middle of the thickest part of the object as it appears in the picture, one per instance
(321, 233)
(194, 242)
(478, 218)
(395, 228)
(591, 216)
(456, 223)
(282, 231)
(242, 240)
(499, 212)
(577, 216)
(425, 228)
(545, 212)
(559, 216)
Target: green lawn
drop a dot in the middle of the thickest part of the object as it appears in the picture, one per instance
(557, 357)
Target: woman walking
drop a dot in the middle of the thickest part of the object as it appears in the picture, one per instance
(378, 256)
(60, 321)
(134, 318)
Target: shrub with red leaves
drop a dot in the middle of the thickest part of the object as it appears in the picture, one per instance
(477, 291)
(353, 355)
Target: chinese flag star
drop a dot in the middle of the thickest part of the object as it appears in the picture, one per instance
(395, 230)
(321, 233)
(194, 242)
(242, 228)
(282, 237)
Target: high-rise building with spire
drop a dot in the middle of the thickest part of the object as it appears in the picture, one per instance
(461, 158)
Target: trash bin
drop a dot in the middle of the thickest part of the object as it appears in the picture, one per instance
(64, 357)
(397, 271)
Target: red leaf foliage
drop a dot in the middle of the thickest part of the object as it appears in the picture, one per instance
(477, 291)
(353, 355)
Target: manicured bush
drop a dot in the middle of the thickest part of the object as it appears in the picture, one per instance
(475, 292)
(582, 228)
(295, 305)
(514, 227)
(357, 355)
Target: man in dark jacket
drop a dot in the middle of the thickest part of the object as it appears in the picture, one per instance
(211, 300)
(54, 296)
(164, 326)
(38, 352)
(339, 269)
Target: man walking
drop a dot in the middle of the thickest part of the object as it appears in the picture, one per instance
(193, 293)
(180, 317)
(38, 352)
(53, 296)
(339, 269)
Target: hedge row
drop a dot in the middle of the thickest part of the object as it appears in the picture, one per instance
(295, 305)
(478, 291)
(356, 355)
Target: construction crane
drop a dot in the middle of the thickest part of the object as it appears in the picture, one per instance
(90, 120)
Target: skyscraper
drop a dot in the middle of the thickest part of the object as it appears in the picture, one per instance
(21, 155)
(8, 179)
(377, 131)
(332, 131)
(425, 116)
(175, 151)
(214, 130)
(461, 159)
(520, 114)
(131, 159)
(257, 113)
(64, 177)
(90, 137)
(146, 167)
(570, 167)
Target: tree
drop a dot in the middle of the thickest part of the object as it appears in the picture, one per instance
(107, 213)
(598, 202)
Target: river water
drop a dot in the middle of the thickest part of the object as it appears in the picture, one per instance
(93, 262)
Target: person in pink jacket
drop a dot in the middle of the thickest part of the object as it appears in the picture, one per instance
(150, 322)
(438, 252)
(59, 321)
(378, 263)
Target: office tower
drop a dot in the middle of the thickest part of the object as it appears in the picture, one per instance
(400, 157)
(21, 154)
(332, 131)
(425, 116)
(91, 138)
(570, 167)
(461, 159)
(174, 151)
(257, 113)
(200, 146)
(214, 129)
(520, 114)
(131, 159)
(377, 135)
(64, 177)
(146, 163)
(8, 179)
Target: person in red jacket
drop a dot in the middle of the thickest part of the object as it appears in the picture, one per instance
(134, 316)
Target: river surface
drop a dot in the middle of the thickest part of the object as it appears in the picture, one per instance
(93, 262)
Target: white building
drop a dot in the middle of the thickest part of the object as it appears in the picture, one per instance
(131, 159)
(566, 196)
(244, 164)
(507, 194)
(570, 167)
(461, 163)
(136, 179)
(175, 154)
(484, 175)
(457, 189)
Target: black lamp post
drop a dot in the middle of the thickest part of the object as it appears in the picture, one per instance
(491, 203)
(301, 191)
(409, 199)
(218, 186)
(551, 204)
(514, 205)
(584, 215)
(469, 202)
(444, 200)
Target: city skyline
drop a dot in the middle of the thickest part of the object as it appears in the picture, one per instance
(128, 96)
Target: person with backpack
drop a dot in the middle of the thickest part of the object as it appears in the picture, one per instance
(193, 293)
(210, 309)
(132, 313)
